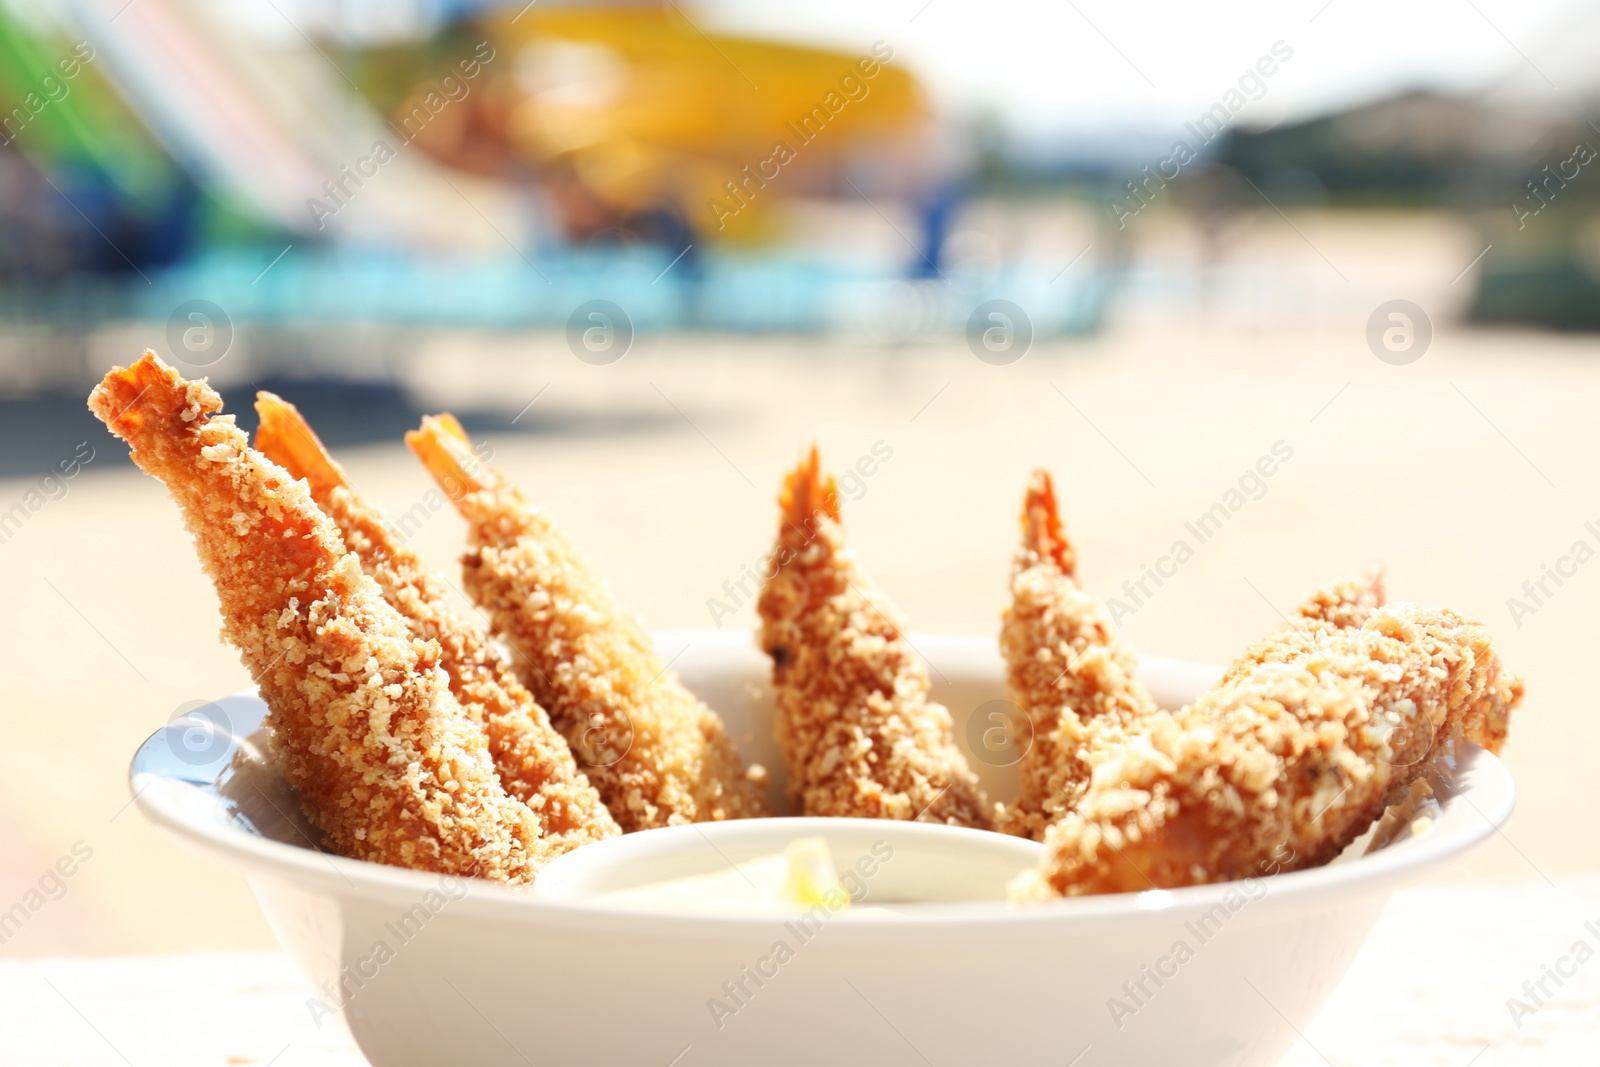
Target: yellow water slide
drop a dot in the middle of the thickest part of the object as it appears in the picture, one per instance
(637, 107)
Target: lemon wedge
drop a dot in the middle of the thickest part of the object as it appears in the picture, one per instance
(795, 880)
(809, 875)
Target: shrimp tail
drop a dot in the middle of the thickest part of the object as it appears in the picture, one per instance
(1042, 532)
(287, 439)
(806, 491)
(452, 426)
(442, 446)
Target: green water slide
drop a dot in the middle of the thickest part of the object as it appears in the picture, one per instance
(58, 111)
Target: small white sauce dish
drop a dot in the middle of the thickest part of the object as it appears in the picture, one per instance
(883, 868)
(427, 970)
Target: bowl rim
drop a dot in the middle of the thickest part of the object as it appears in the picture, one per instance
(1482, 781)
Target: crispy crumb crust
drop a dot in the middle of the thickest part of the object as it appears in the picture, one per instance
(1341, 605)
(1064, 666)
(1280, 766)
(534, 762)
(657, 755)
(1348, 604)
(858, 732)
(386, 763)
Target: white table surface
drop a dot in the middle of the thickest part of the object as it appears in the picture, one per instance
(1431, 987)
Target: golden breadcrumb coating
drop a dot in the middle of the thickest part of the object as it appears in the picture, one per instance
(534, 761)
(386, 763)
(1348, 604)
(1342, 605)
(1345, 604)
(1064, 667)
(1487, 722)
(1279, 767)
(858, 732)
(657, 755)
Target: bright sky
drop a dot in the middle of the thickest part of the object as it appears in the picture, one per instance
(1078, 66)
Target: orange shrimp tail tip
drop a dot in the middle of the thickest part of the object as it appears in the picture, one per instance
(442, 447)
(453, 427)
(128, 398)
(1042, 533)
(806, 491)
(287, 439)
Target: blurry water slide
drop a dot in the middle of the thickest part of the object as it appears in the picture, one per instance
(639, 106)
(62, 114)
(278, 124)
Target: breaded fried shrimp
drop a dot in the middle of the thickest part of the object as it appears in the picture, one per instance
(657, 755)
(1348, 604)
(533, 760)
(1278, 768)
(386, 763)
(1064, 667)
(858, 732)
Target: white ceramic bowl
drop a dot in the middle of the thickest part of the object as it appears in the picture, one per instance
(428, 971)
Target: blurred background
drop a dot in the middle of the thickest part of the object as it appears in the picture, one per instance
(650, 250)
(338, 190)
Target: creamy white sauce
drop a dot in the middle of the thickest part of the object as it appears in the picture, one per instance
(795, 881)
